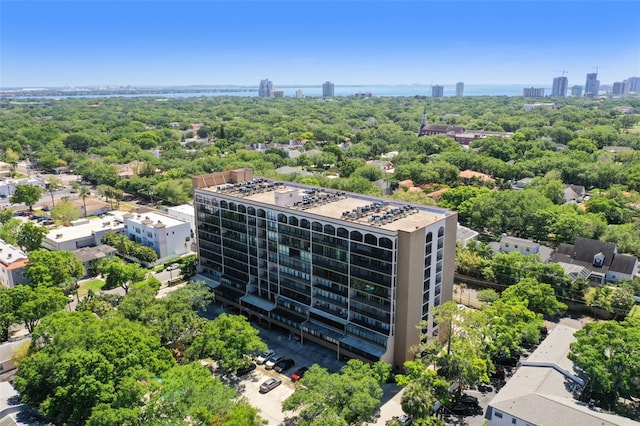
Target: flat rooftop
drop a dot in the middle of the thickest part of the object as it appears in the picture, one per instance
(359, 209)
(154, 217)
(85, 227)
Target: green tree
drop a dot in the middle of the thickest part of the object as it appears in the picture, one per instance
(227, 339)
(33, 304)
(118, 273)
(84, 193)
(53, 268)
(417, 401)
(7, 312)
(27, 194)
(65, 211)
(191, 392)
(349, 397)
(53, 184)
(540, 298)
(30, 236)
(609, 353)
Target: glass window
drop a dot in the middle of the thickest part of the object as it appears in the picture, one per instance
(242, 208)
(371, 239)
(261, 213)
(293, 220)
(317, 226)
(356, 236)
(232, 206)
(251, 211)
(329, 230)
(304, 223)
(343, 233)
(385, 242)
(224, 204)
(429, 237)
(441, 232)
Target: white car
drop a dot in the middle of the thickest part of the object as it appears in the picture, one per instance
(261, 359)
(273, 361)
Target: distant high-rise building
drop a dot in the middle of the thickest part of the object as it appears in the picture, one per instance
(533, 92)
(633, 84)
(619, 87)
(266, 86)
(327, 89)
(299, 94)
(592, 86)
(437, 91)
(277, 93)
(460, 89)
(576, 91)
(560, 85)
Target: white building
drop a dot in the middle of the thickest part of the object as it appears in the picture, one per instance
(12, 265)
(169, 237)
(185, 213)
(545, 390)
(82, 233)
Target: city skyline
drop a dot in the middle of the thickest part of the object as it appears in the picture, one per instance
(147, 43)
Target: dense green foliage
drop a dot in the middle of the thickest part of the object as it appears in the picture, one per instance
(130, 248)
(609, 353)
(349, 397)
(126, 367)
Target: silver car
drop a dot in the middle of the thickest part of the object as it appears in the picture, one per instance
(270, 384)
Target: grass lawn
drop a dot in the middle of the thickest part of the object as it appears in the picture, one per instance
(95, 285)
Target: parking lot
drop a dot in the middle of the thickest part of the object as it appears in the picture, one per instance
(305, 354)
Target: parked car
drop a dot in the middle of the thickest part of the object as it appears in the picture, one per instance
(283, 365)
(404, 420)
(173, 267)
(27, 213)
(270, 384)
(273, 361)
(261, 359)
(245, 370)
(460, 409)
(299, 373)
(468, 400)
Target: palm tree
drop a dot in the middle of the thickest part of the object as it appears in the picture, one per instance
(84, 193)
(52, 186)
(417, 401)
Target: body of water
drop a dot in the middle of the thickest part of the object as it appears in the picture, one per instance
(289, 91)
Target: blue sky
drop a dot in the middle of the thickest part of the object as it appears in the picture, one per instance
(74, 43)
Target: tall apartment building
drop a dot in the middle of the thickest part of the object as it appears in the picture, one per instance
(459, 89)
(299, 94)
(327, 89)
(350, 272)
(633, 84)
(576, 91)
(533, 92)
(620, 87)
(266, 86)
(437, 91)
(560, 85)
(592, 86)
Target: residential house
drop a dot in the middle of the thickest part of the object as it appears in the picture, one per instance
(600, 258)
(574, 194)
(546, 390)
(12, 265)
(90, 256)
(510, 244)
(468, 176)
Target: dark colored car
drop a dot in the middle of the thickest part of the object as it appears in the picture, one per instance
(299, 374)
(270, 384)
(245, 370)
(468, 400)
(284, 365)
(460, 409)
